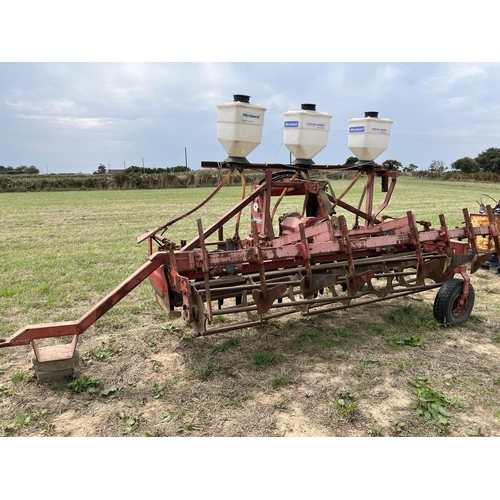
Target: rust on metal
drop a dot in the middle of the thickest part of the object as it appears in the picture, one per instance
(307, 262)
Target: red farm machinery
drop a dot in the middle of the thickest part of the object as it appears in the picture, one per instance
(307, 261)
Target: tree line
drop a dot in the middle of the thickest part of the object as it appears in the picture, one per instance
(22, 169)
(101, 169)
(486, 162)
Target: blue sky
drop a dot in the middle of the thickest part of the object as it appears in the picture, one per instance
(71, 116)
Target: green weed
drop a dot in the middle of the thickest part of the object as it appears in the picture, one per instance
(410, 340)
(17, 377)
(410, 318)
(399, 426)
(370, 363)
(85, 384)
(171, 328)
(226, 344)
(31, 417)
(343, 332)
(158, 390)
(282, 381)
(318, 338)
(207, 369)
(49, 429)
(263, 358)
(373, 329)
(102, 354)
(431, 404)
(131, 422)
(167, 416)
(156, 365)
(110, 392)
(153, 347)
(22, 420)
(346, 406)
(478, 433)
(218, 320)
(476, 323)
(281, 405)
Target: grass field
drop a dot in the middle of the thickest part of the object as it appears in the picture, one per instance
(364, 372)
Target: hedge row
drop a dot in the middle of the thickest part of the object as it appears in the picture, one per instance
(458, 176)
(199, 178)
(23, 183)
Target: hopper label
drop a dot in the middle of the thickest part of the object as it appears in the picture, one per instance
(294, 123)
(360, 128)
(318, 126)
(249, 117)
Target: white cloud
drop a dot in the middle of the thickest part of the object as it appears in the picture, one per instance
(459, 71)
(68, 121)
(47, 107)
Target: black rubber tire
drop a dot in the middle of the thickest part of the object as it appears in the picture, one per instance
(446, 310)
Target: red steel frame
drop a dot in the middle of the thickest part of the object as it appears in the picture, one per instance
(315, 251)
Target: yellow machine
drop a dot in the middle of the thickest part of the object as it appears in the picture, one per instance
(486, 243)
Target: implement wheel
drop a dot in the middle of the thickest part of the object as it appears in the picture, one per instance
(446, 304)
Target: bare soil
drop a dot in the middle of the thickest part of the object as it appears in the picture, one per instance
(341, 374)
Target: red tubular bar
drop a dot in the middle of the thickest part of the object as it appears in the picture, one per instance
(41, 331)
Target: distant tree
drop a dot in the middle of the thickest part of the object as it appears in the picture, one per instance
(437, 166)
(489, 160)
(146, 170)
(101, 169)
(133, 169)
(466, 165)
(31, 170)
(350, 161)
(410, 168)
(395, 164)
(12, 171)
(179, 168)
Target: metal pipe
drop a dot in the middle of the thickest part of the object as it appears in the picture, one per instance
(164, 227)
(243, 193)
(283, 194)
(262, 319)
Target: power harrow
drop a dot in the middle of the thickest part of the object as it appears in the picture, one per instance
(309, 261)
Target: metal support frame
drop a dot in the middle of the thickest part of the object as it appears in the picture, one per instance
(372, 262)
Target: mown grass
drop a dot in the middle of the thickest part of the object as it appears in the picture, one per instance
(60, 252)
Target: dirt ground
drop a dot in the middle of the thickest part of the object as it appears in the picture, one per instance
(346, 373)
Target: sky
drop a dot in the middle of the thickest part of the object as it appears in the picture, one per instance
(74, 96)
(70, 117)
